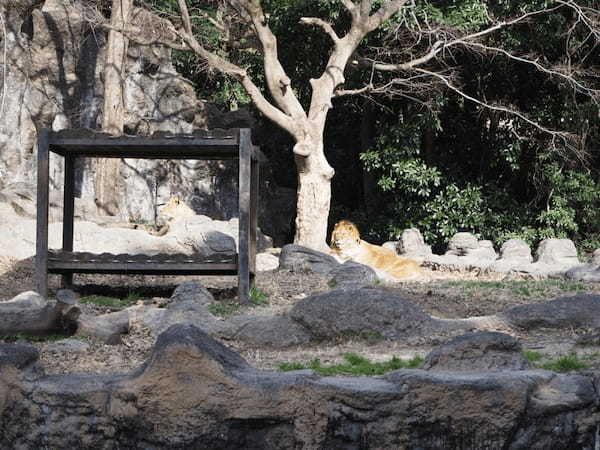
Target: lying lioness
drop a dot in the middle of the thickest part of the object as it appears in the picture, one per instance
(346, 244)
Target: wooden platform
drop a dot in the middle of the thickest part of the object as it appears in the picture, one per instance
(216, 144)
(160, 264)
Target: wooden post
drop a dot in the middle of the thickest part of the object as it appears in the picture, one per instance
(244, 215)
(43, 178)
(68, 214)
(255, 178)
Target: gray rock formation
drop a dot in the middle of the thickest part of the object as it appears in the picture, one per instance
(107, 328)
(595, 259)
(557, 252)
(54, 79)
(412, 244)
(352, 275)
(272, 331)
(578, 311)
(298, 258)
(587, 272)
(461, 244)
(29, 312)
(193, 392)
(483, 350)
(516, 250)
(360, 311)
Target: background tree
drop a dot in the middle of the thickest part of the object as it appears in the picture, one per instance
(415, 55)
(113, 113)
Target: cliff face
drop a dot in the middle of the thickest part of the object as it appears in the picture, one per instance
(52, 77)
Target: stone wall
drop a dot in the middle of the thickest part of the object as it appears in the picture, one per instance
(53, 78)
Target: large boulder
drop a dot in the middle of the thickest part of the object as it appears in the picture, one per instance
(29, 312)
(578, 311)
(483, 350)
(412, 244)
(360, 311)
(557, 252)
(352, 275)
(297, 258)
(516, 250)
(461, 244)
(273, 331)
(587, 272)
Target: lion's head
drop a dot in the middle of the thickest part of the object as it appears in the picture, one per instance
(345, 235)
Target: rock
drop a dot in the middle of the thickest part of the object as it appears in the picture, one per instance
(17, 355)
(359, 311)
(188, 305)
(461, 243)
(193, 392)
(557, 252)
(412, 244)
(578, 311)
(29, 312)
(391, 245)
(483, 350)
(352, 275)
(484, 251)
(587, 272)
(68, 346)
(108, 328)
(516, 250)
(274, 331)
(297, 258)
(266, 262)
(595, 259)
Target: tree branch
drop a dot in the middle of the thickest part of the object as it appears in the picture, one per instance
(321, 23)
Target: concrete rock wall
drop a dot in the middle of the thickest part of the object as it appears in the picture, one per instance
(53, 78)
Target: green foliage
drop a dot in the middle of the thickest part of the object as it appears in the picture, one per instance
(32, 337)
(226, 308)
(532, 355)
(566, 363)
(258, 297)
(112, 302)
(521, 288)
(355, 365)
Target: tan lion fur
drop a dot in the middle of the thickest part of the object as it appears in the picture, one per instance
(346, 244)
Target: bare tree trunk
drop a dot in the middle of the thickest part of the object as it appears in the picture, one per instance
(314, 199)
(108, 180)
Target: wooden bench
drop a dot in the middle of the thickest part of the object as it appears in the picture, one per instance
(217, 144)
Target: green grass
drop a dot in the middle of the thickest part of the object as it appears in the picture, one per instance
(355, 365)
(567, 363)
(112, 302)
(225, 308)
(33, 338)
(525, 288)
(532, 355)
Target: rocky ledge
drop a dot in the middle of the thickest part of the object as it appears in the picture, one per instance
(193, 392)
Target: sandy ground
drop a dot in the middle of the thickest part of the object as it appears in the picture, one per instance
(444, 295)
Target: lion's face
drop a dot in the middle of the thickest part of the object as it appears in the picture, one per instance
(345, 235)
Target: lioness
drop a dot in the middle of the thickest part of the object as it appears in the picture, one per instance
(346, 244)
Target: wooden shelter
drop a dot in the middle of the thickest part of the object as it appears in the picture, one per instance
(218, 144)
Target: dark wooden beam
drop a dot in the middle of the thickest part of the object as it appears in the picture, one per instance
(43, 179)
(244, 215)
(68, 213)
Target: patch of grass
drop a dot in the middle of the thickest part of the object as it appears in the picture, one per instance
(112, 302)
(225, 308)
(532, 355)
(522, 288)
(355, 365)
(332, 284)
(33, 338)
(258, 297)
(567, 363)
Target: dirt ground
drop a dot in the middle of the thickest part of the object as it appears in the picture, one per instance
(445, 295)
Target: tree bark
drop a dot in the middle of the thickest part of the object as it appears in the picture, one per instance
(108, 180)
(314, 197)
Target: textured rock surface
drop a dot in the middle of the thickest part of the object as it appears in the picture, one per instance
(28, 312)
(352, 275)
(587, 272)
(483, 350)
(412, 244)
(354, 312)
(579, 311)
(516, 250)
(195, 393)
(54, 79)
(461, 243)
(298, 258)
(557, 251)
(275, 331)
(108, 328)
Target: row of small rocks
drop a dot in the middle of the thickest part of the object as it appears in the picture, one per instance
(553, 257)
